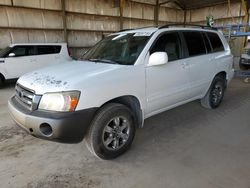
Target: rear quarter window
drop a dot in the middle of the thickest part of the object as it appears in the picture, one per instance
(215, 42)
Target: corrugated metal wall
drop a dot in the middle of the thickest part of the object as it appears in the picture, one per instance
(87, 21)
(222, 16)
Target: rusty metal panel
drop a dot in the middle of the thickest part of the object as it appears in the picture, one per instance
(46, 4)
(20, 17)
(83, 39)
(5, 39)
(78, 52)
(5, 2)
(133, 10)
(148, 12)
(28, 36)
(52, 19)
(88, 22)
(3, 17)
(102, 7)
(167, 14)
(45, 36)
(218, 12)
(51, 4)
(129, 24)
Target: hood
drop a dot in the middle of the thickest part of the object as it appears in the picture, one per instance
(64, 76)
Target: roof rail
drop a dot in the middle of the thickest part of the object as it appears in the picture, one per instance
(187, 25)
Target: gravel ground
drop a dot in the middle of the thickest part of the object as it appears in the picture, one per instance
(186, 147)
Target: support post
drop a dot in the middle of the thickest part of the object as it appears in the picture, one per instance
(65, 31)
(185, 16)
(121, 7)
(156, 13)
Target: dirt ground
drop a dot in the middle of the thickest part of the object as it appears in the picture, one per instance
(186, 147)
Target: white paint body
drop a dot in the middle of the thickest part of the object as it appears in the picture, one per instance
(157, 88)
(14, 67)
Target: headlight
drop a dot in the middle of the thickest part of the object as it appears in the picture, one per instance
(62, 102)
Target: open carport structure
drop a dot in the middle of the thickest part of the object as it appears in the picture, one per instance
(185, 147)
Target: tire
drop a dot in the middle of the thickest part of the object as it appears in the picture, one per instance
(215, 94)
(243, 67)
(111, 132)
(1, 82)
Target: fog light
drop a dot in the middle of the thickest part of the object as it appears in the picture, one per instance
(46, 129)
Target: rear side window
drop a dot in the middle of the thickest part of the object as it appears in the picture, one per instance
(215, 42)
(42, 50)
(207, 43)
(195, 43)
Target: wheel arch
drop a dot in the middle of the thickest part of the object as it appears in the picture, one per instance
(2, 77)
(222, 74)
(133, 104)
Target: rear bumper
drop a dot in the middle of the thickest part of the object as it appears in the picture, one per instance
(244, 61)
(66, 127)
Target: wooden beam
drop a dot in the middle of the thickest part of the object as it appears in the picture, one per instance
(65, 31)
(121, 8)
(185, 17)
(156, 13)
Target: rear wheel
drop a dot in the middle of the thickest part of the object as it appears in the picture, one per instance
(215, 94)
(112, 131)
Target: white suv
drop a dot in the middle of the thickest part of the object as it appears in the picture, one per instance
(126, 78)
(18, 59)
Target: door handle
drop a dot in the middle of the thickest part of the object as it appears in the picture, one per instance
(2, 61)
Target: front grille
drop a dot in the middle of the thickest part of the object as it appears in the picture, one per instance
(24, 96)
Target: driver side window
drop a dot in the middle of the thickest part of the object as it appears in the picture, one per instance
(169, 43)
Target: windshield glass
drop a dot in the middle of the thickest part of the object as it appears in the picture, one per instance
(121, 49)
(5, 51)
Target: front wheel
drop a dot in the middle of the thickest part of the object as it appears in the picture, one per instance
(112, 131)
(215, 94)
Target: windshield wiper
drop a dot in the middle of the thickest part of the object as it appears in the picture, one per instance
(104, 61)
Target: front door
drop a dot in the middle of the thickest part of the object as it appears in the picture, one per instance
(167, 85)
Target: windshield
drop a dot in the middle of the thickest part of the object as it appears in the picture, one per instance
(121, 49)
(4, 52)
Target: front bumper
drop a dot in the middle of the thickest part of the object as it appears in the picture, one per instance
(66, 127)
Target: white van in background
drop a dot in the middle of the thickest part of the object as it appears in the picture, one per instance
(18, 59)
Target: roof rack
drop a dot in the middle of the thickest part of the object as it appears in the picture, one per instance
(187, 25)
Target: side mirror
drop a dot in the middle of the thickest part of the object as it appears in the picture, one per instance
(12, 55)
(158, 58)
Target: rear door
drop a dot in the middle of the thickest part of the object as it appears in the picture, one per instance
(199, 60)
